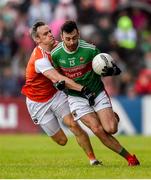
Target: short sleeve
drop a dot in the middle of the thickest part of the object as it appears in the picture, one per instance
(42, 65)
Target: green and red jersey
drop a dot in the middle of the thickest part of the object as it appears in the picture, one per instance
(77, 65)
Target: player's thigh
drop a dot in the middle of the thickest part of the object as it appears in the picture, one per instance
(102, 101)
(68, 120)
(91, 120)
(103, 108)
(108, 120)
(79, 107)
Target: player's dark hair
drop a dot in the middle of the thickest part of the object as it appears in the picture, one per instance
(33, 32)
(69, 26)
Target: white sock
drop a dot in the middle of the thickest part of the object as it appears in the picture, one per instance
(92, 161)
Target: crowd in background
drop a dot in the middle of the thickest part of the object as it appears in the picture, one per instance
(121, 28)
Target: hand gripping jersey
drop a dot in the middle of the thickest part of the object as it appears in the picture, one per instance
(37, 87)
(77, 65)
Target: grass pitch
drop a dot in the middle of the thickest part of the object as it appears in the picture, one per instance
(37, 156)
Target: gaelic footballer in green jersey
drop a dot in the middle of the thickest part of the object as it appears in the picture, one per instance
(73, 58)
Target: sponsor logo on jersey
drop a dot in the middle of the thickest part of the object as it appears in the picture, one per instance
(62, 61)
(78, 71)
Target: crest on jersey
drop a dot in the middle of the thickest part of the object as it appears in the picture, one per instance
(81, 59)
(74, 113)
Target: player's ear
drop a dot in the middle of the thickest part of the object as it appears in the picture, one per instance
(37, 39)
(61, 37)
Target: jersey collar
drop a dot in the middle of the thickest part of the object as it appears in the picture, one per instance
(48, 52)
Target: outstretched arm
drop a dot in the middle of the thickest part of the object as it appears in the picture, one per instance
(55, 77)
(44, 66)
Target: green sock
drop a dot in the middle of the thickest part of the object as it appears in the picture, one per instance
(124, 153)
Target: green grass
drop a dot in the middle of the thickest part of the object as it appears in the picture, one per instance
(32, 156)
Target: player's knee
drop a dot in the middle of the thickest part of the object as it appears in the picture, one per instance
(117, 117)
(112, 126)
(112, 129)
(62, 141)
(73, 125)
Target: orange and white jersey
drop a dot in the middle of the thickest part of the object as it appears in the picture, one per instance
(37, 87)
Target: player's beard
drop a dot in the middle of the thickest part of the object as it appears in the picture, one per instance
(52, 43)
(72, 47)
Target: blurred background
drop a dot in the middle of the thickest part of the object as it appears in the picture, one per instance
(121, 28)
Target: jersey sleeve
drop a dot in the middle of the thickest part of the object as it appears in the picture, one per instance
(42, 65)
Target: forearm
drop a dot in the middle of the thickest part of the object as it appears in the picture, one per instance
(57, 78)
(54, 76)
(70, 84)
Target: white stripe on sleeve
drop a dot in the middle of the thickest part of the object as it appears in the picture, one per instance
(42, 65)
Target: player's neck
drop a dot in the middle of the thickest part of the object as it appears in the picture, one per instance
(47, 48)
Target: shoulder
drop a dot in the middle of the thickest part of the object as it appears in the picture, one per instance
(38, 53)
(86, 45)
(56, 49)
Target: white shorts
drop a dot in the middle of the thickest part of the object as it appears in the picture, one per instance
(47, 114)
(80, 106)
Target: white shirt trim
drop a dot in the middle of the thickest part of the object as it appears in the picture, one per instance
(42, 65)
